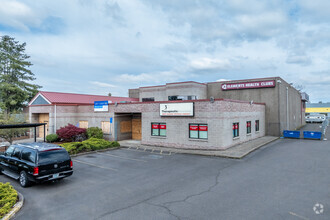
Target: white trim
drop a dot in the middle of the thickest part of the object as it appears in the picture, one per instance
(39, 94)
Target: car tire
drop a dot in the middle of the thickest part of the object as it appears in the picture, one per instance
(23, 179)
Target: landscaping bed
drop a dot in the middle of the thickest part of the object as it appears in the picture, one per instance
(8, 198)
(91, 144)
(79, 140)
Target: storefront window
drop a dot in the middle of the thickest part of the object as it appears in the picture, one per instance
(248, 127)
(182, 97)
(162, 129)
(257, 125)
(158, 129)
(152, 99)
(236, 129)
(198, 131)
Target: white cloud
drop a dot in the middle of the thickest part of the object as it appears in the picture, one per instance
(153, 78)
(102, 84)
(129, 43)
(17, 15)
(210, 64)
(299, 59)
(222, 80)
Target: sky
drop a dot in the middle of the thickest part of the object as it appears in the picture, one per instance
(102, 46)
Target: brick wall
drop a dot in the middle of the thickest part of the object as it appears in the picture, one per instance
(219, 116)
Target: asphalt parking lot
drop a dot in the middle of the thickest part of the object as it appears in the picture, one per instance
(283, 180)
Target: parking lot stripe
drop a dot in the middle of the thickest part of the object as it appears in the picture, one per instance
(94, 165)
(126, 158)
(301, 217)
(148, 150)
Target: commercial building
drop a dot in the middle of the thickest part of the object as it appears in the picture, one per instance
(191, 115)
(285, 107)
(58, 109)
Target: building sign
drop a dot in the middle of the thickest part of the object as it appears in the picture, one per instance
(198, 128)
(193, 127)
(177, 109)
(101, 106)
(202, 128)
(248, 85)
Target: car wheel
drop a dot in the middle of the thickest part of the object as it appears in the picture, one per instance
(23, 180)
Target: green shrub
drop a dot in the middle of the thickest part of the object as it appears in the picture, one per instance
(51, 138)
(94, 132)
(89, 145)
(8, 198)
(97, 144)
(72, 148)
(115, 144)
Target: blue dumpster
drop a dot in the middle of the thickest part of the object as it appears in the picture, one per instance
(291, 134)
(312, 135)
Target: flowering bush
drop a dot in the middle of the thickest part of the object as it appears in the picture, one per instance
(70, 132)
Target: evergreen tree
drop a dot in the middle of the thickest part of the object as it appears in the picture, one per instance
(16, 88)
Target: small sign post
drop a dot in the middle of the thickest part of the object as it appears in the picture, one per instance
(110, 129)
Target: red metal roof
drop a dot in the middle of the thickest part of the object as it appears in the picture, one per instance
(72, 98)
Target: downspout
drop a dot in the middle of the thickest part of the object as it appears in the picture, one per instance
(55, 120)
(279, 105)
(287, 108)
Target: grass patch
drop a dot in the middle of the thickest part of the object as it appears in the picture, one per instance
(8, 198)
(91, 144)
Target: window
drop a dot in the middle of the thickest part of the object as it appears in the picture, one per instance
(83, 124)
(198, 131)
(29, 155)
(53, 155)
(248, 127)
(105, 125)
(236, 129)
(152, 99)
(257, 125)
(158, 129)
(10, 151)
(17, 153)
(182, 97)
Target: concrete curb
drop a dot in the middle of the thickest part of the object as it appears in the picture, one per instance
(16, 207)
(212, 153)
(256, 148)
(94, 151)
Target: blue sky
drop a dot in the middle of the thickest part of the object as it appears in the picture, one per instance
(102, 46)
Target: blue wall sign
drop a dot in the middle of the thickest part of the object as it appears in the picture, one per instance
(101, 106)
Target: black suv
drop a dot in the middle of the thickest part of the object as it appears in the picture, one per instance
(36, 162)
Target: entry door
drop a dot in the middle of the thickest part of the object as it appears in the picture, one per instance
(43, 118)
(136, 129)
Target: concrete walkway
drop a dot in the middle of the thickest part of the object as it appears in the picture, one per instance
(235, 152)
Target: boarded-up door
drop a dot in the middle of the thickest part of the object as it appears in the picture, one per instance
(136, 129)
(105, 127)
(43, 118)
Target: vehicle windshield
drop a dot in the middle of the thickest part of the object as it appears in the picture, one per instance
(53, 156)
